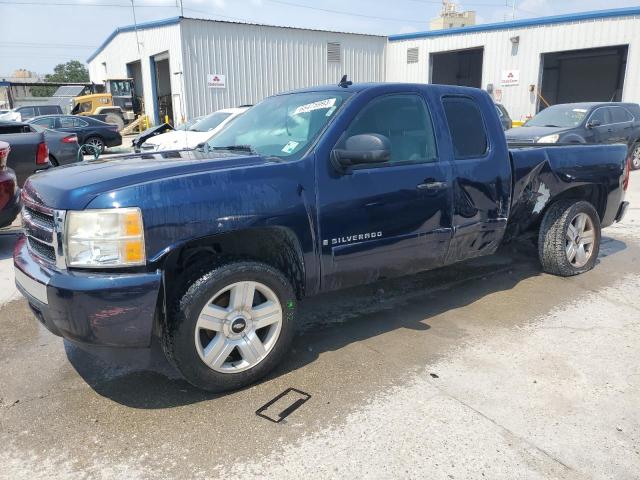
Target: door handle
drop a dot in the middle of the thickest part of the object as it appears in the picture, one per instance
(432, 185)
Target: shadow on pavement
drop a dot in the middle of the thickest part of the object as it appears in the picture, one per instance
(327, 322)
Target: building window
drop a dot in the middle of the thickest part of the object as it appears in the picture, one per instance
(413, 54)
(333, 52)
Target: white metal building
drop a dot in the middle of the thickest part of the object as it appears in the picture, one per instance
(591, 56)
(187, 67)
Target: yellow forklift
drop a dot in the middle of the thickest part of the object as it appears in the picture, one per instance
(114, 102)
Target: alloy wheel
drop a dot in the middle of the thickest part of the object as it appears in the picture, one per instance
(238, 327)
(580, 239)
(635, 157)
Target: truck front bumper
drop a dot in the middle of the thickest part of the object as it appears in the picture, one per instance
(110, 309)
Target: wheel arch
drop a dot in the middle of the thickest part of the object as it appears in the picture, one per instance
(594, 194)
(275, 246)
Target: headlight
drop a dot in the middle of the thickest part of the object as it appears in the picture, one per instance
(105, 238)
(549, 138)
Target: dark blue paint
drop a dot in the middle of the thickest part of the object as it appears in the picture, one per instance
(97, 308)
(192, 196)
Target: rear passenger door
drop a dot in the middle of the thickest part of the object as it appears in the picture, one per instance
(481, 176)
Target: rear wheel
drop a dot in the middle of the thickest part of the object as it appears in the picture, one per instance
(232, 326)
(93, 144)
(635, 156)
(569, 238)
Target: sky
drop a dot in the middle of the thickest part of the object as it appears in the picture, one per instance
(39, 34)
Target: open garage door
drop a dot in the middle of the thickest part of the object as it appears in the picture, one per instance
(460, 67)
(590, 75)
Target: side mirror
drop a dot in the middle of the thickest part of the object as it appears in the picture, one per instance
(363, 149)
(594, 123)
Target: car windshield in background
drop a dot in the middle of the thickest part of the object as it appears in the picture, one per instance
(282, 126)
(209, 122)
(558, 116)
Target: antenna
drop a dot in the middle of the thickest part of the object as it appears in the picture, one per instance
(135, 25)
(344, 83)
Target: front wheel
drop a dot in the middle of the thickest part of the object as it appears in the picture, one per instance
(569, 238)
(232, 326)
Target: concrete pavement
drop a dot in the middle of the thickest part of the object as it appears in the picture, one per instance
(489, 369)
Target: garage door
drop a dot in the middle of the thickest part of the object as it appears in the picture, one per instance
(591, 75)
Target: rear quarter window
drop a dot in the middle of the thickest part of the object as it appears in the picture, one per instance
(467, 129)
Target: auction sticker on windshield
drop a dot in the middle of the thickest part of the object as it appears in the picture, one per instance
(319, 105)
(290, 146)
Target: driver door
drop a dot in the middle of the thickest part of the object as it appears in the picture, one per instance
(390, 219)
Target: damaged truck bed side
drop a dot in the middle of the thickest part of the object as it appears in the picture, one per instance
(209, 250)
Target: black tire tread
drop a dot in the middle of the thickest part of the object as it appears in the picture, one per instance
(551, 237)
(180, 309)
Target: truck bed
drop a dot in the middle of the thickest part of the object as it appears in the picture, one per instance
(543, 172)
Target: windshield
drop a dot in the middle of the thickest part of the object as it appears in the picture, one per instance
(187, 125)
(558, 116)
(209, 122)
(282, 126)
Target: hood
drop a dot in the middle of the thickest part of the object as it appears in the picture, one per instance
(72, 187)
(179, 139)
(533, 133)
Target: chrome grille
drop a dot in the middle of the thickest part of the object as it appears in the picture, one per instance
(43, 227)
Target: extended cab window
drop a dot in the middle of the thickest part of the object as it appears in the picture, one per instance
(467, 129)
(404, 120)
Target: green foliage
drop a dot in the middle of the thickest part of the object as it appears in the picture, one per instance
(73, 72)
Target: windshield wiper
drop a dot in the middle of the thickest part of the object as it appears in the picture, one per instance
(553, 126)
(235, 148)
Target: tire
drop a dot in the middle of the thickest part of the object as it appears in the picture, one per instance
(559, 238)
(226, 337)
(635, 156)
(97, 142)
(116, 119)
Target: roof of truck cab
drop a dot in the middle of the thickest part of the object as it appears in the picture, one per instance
(360, 87)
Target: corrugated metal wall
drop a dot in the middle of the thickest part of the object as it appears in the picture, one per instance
(258, 61)
(499, 55)
(153, 41)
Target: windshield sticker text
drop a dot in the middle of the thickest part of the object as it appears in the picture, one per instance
(320, 105)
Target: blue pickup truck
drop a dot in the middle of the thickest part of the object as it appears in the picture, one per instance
(209, 250)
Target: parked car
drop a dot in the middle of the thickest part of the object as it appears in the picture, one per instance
(9, 191)
(505, 119)
(89, 131)
(146, 134)
(29, 152)
(210, 249)
(29, 111)
(199, 132)
(9, 116)
(63, 146)
(589, 122)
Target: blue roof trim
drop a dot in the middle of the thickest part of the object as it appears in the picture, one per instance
(530, 22)
(131, 28)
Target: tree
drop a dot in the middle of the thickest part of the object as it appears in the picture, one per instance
(73, 72)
